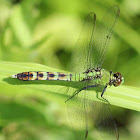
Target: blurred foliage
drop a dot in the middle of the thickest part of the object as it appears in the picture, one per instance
(45, 32)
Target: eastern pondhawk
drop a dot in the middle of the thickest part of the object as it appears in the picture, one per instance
(87, 59)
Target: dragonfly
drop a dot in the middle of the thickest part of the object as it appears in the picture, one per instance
(87, 75)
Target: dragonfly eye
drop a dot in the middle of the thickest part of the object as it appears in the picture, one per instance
(118, 79)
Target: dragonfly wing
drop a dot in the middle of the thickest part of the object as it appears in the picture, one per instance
(84, 112)
(78, 114)
(103, 120)
(103, 34)
(80, 57)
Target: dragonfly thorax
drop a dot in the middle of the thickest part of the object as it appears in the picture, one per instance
(92, 74)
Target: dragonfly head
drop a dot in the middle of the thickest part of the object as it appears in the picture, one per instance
(118, 79)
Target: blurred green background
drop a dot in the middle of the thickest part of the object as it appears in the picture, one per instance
(45, 32)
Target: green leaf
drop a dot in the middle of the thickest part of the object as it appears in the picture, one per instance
(14, 111)
(122, 96)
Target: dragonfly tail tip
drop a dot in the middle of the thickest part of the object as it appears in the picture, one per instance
(14, 76)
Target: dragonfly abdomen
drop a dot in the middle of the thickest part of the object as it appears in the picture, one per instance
(39, 75)
(31, 76)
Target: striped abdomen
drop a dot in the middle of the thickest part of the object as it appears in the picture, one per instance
(29, 76)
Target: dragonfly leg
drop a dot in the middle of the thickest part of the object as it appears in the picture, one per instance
(111, 73)
(80, 91)
(73, 95)
(103, 94)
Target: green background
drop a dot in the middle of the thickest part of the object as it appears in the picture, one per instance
(45, 32)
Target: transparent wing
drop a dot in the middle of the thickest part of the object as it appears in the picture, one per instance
(84, 113)
(78, 116)
(103, 34)
(81, 59)
(78, 110)
(103, 120)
